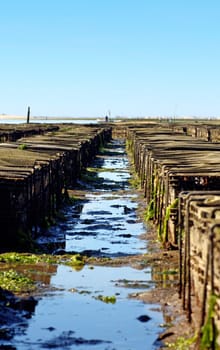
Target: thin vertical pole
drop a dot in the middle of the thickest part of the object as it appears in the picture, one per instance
(28, 114)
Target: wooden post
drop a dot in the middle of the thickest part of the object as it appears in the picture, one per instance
(28, 115)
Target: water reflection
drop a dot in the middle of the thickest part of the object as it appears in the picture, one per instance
(75, 315)
(165, 278)
(103, 223)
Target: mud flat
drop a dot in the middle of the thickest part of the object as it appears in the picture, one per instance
(178, 170)
(93, 268)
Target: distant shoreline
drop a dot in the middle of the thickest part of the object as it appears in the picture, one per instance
(9, 116)
(6, 116)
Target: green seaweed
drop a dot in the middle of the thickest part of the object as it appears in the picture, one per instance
(182, 343)
(135, 181)
(76, 261)
(163, 234)
(170, 272)
(107, 299)
(16, 282)
(209, 330)
(153, 207)
(26, 258)
(149, 213)
(22, 146)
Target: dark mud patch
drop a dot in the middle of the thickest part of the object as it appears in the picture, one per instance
(176, 322)
(82, 233)
(128, 235)
(131, 221)
(101, 212)
(138, 284)
(143, 318)
(165, 293)
(66, 340)
(14, 314)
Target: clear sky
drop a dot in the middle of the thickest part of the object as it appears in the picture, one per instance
(125, 57)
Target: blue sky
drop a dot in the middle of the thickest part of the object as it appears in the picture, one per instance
(130, 57)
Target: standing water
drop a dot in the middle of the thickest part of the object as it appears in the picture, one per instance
(90, 308)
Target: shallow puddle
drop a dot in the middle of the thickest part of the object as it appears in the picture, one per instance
(73, 315)
(90, 308)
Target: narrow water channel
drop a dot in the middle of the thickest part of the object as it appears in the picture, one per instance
(103, 223)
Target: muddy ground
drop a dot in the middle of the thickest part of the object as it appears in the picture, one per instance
(165, 292)
(167, 295)
(163, 264)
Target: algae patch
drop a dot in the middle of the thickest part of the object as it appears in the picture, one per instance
(107, 299)
(26, 258)
(16, 282)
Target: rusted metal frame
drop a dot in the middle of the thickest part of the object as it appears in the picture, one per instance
(142, 170)
(167, 176)
(41, 165)
(35, 201)
(42, 194)
(184, 172)
(147, 178)
(187, 259)
(184, 196)
(59, 180)
(159, 204)
(148, 189)
(53, 165)
(155, 190)
(204, 296)
(180, 173)
(214, 211)
(136, 150)
(29, 201)
(209, 265)
(151, 176)
(141, 161)
(180, 243)
(135, 154)
(139, 158)
(167, 188)
(187, 262)
(163, 194)
(45, 169)
(212, 273)
(145, 170)
(50, 194)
